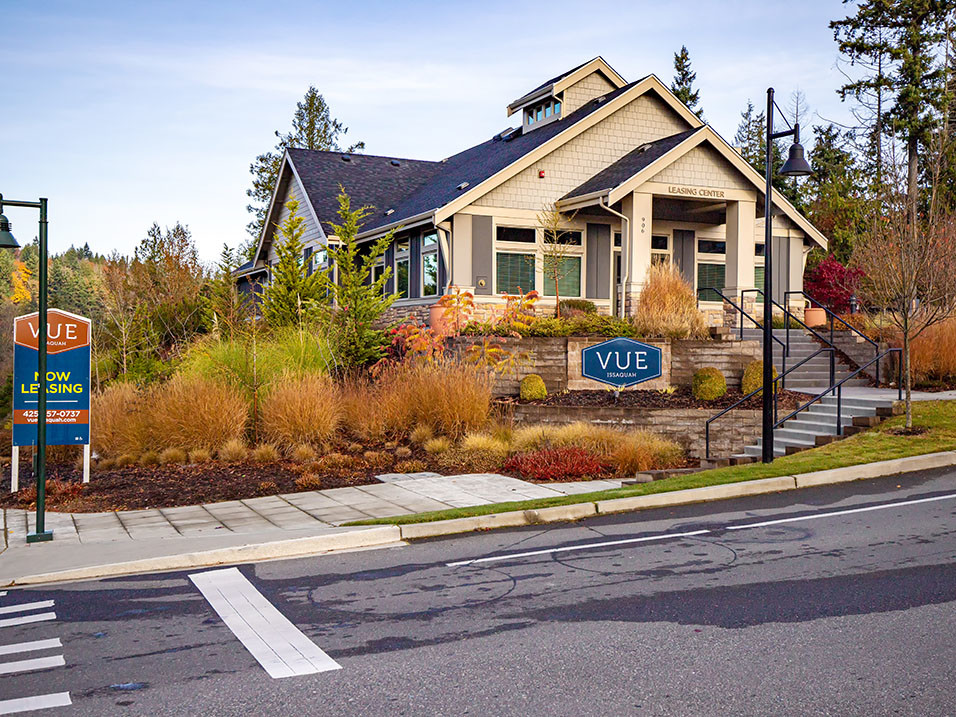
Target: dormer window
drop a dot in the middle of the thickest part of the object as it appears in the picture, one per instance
(542, 111)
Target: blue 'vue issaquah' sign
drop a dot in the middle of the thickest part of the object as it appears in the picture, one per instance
(621, 362)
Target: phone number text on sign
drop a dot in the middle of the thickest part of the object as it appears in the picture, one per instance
(29, 416)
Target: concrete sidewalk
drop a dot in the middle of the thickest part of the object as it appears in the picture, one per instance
(83, 540)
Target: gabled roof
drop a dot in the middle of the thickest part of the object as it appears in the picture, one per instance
(629, 165)
(567, 78)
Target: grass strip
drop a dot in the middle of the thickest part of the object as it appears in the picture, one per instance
(877, 444)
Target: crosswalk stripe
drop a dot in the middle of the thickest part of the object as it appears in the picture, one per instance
(30, 646)
(24, 606)
(278, 645)
(37, 702)
(37, 663)
(24, 619)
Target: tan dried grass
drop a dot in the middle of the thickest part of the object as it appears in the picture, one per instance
(119, 426)
(300, 409)
(195, 412)
(667, 306)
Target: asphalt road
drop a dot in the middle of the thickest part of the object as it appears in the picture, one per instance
(850, 612)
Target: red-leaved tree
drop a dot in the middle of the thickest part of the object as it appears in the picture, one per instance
(832, 284)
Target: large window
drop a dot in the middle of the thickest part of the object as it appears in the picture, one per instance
(514, 272)
(710, 276)
(401, 268)
(568, 270)
(430, 264)
(660, 249)
(518, 234)
(711, 246)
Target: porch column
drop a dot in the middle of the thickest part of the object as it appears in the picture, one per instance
(637, 207)
(741, 225)
(460, 251)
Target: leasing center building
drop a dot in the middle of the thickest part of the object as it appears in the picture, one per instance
(641, 178)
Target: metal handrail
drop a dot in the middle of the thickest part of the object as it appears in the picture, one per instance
(833, 315)
(838, 389)
(742, 313)
(781, 378)
(787, 315)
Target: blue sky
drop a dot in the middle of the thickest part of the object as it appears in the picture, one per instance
(126, 113)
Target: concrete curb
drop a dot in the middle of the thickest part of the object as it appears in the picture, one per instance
(295, 547)
(372, 536)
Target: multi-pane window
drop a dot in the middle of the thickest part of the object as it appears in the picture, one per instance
(430, 264)
(710, 276)
(660, 249)
(402, 258)
(564, 237)
(545, 110)
(514, 272)
(519, 234)
(711, 246)
(567, 269)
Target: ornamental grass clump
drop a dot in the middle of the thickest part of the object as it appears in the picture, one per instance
(667, 307)
(233, 450)
(195, 412)
(171, 456)
(265, 453)
(644, 451)
(120, 426)
(300, 409)
(708, 384)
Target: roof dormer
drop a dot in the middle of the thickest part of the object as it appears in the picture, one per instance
(562, 95)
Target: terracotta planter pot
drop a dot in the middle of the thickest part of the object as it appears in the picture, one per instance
(437, 320)
(814, 316)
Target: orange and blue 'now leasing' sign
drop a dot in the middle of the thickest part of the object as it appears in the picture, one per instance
(621, 362)
(67, 379)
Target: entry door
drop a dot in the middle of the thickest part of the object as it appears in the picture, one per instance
(684, 252)
(781, 268)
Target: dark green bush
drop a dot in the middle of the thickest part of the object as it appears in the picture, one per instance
(709, 384)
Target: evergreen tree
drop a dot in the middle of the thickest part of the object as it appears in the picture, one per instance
(312, 128)
(897, 42)
(358, 303)
(751, 142)
(228, 305)
(683, 84)
(292, 293)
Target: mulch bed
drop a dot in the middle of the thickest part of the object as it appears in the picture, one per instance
(682, 398)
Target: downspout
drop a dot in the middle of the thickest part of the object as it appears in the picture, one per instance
(625, 252)
(444, 244)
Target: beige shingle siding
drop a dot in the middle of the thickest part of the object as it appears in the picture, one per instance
(702, 166)
(645, 119)
(312, 235)
(580, 93)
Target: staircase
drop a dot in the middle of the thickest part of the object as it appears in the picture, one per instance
(813, 374)
(816, 425)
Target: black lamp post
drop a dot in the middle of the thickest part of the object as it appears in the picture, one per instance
(7, 241)
(795, 166)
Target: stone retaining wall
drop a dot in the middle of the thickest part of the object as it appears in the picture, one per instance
(729, 434)
(545, 356)
(730, 356)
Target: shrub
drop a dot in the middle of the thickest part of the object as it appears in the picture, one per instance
(297, 409)
(303, 453)
(480, 452)
(403, 452)
(643, 451)
(334, 461)
(308, 481)
(421, 433)
(356, 393)
(550, 464)
(668, 307)
(119, 426)
(753, 377)
(376, 458)
(200, 455)
(832, 284)
(127, 459)
(195, 412)
(532, 388)
(149, 458)
(233, 450)
(582, 305)
(265, 453)
(933, 353)
(412, 466)
(172, 455)
(709, 384)
(355, 448)
(437, 445)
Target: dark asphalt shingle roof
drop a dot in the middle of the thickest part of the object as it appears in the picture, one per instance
(630, 164)
(368, 180)
(549, 82)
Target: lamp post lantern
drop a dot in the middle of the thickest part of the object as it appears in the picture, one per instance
(795, 166)
(7, 241)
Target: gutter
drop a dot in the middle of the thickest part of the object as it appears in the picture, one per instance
(625, 252)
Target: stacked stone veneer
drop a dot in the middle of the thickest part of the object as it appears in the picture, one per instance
(686, 426)
(577, 382)
(730, 357)
(545, 356)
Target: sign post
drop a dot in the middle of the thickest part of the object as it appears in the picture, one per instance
(67, 384)
(621, 362)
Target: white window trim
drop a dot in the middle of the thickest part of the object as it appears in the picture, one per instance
(423, 252)
(537, 249)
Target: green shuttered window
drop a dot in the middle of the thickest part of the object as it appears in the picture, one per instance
(710, 276)
(568, 269)
(758, 277)
(515, 273)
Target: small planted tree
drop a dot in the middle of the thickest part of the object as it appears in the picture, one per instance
(357, 302)
(293, 292)
(910, 268)
(555, 254)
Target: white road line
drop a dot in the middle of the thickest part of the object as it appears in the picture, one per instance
(37, 663)
(3, 593)
(512, 556)
(278, 645)
(39, 702)
(22, 607)
(849, 511)
(30, 646)
(24, 619)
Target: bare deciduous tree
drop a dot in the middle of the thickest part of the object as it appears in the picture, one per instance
(554, 250)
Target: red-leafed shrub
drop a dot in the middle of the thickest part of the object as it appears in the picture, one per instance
(832, 284)
(555, 464)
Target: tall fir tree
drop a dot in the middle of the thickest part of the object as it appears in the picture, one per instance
(292, 294)
(683, 84)
(312, 128)
(751, 142)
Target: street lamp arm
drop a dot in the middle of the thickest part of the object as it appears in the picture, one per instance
(19, 203)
